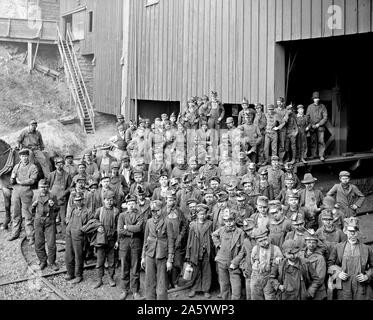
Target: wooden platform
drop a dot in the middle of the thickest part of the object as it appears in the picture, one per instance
(337, 159)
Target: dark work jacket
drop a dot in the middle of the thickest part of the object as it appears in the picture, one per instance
(134, 222)
(195, 242)
(158, 240)
(310, 280)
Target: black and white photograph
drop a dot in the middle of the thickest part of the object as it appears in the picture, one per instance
(200, 151)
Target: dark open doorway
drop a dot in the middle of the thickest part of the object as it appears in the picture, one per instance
(153, 109)
(337, 67)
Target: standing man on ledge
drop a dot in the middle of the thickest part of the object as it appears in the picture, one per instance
(318, 116)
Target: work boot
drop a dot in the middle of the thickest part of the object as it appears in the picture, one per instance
(13, 237)
(98, 283)
(42, 265)
(207, 295)
(123, 296)
(77, 280)
(112, 282)
(191, 294)
(55, 267)
(69, 277)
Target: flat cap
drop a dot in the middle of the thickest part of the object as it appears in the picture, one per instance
(24, 152)
(262, 201)
(81, 177)
(43, 183)
(202, 207)
(260, 233)
(344, 174)
(275, 158)
(59, 160)
(130, 198)
(229, 120)
(109, 194)
(156, 205)
(33, 121)
(114, 164)
(78, 196)
(290, 246)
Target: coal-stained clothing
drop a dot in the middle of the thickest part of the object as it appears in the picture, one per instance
(353, 260)
(31, 140)
(265, 189)
(130, 245)
(330, 238)
(302, 147)
(21, 199)
(317, 114)
(74, 241)
(318, 263)
(346, 197)
(300, 280)
(278, 230)
(275, 178)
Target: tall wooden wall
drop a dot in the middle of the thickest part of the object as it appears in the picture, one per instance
(181, 48)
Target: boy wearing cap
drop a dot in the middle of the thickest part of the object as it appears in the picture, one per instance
(198, 251)
(243, 259)
(32, 140)
(161, 192)
(107, 215)
(138, 176)
(290, 171)
(44, 204)
(185, 193)
(157, 253)
(23, 177)
(245, 108)
(261, 121)
(74, 256)
(294, 278)
(352, 262)
(283, 115)
(216, 111)
(193, 167)
(69, 166)
(81, 171)
(80, 188)
(347, 195)
(292, 209)
(328, 233)
(118, 184)
(279, 224)
(314, 254)
(252, 173)
(178, 224)
(264, 257)
(130, 237)
(126, 169)
(263, 187)
(228, 241)
(289, 188)
(209, 170)
(59, 182)
(91, 167)
(244, 210)
(299, 232)
(318, 116)
(218, 210)
(271, 132)
(275, 175)
(291, 135)
(302, 123)
(252, 134)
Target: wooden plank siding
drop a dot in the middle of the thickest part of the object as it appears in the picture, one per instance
(189, 47)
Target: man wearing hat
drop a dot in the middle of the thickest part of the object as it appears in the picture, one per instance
(263, 187)
(283, 114)
(261, 121)
(314, 254)
(245, 108)
(216, 111)
(44, 205)
(252, 134)
(119, 141)
(279, 224)
(75, 220)
(271, 133)
(275, 175)
(160, 193)
(243, 259)
(228, 240)
(328, 233)
(23, 177)
(295, 278)
(70, 167)
(130, 237)
(198, 251)
(107, 215)
(292, 208)
(353, 262)
(31, 139)
(347, 195)
(318, 116)
(179, 222)
(310, 199)
(291, 135)
(117, 184)
(264, 257)
(302, 123)
(218, 210)
(157, 253)
(59, 182)
(104, 161)
(91, 167)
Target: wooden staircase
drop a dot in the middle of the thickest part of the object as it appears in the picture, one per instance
(76, 83)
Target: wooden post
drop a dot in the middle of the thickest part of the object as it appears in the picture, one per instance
(29, 56)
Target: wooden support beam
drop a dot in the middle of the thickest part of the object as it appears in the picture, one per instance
(36, 53)
(8, 31)
(29, 56)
